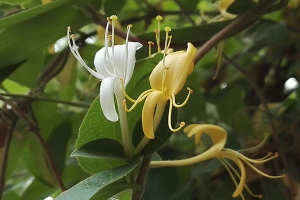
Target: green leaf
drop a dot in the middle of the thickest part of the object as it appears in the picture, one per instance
(57, 144)
(114, 189)
(193, 34)
(4, 73)
(15, 2)
(30, 13)
(101, 148)
(95, 183)
(27, 74)
(35, 161)
(113, 7)
(30, 36)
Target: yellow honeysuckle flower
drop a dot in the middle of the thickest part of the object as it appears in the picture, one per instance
(166, 80)
(218, 136)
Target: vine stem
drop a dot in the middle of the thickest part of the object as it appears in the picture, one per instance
(33, 127)
(234, 27)
(5, 155)
(140, 180)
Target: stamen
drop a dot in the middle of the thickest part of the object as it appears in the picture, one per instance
(150, 43)
(182, 124)
(137, 101)
(257, 161)
(157, 32)
(167, 30)
(169, 42)
(185, 101)
(106, 39)
(74, 49)
(126, 49)
(226, 164)
(262, 173)
(113, 19)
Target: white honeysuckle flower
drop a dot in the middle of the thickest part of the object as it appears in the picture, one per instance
(112, 64)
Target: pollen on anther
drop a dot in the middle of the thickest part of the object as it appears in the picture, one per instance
(113, 17)
(73, 36)
(159, 18)
(168, 29)
(129, 26)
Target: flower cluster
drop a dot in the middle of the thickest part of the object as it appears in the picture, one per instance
(115, 65)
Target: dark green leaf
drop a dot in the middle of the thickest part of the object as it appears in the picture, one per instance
(113, 7)
(14, 2)
(30, 36)
(95, 183)
(4, 73)
(101, 148)
(57, 143)
(28, 14)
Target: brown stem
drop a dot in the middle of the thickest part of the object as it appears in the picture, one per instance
(140, 180)
(5, 155)
(234, 27)
(33, 127)
(70, 103)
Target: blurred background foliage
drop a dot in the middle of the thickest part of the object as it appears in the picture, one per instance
(255, 92)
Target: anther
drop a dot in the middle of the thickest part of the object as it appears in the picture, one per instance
(113, 17)
(69, 28)
(159, 18)
(276, 155)
(129, 26)
(190, 90)
(168, 29)
(121, 80)
(73, 36)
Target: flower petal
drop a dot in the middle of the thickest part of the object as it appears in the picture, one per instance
(154, 98)
(103, 63)
(180, 64)
(107, 100)
(116, 62)
(120, 59)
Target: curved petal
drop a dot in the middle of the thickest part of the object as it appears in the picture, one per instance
(180, 64)
(148, 112)
(107, 101)
(118, 63)
(103, 63)
(125, 63)
(132, 47)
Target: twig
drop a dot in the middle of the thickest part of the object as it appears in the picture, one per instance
(234, 27)
(33, 127)
(142, 175)
(70, 103)
(5, 155)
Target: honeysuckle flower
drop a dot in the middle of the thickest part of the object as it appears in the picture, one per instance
(219, 136)
(112, 63)
(166, 80)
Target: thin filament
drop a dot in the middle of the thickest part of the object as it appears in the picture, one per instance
(76, 54)
(185, 101)
(182, 124)
(226, 164)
